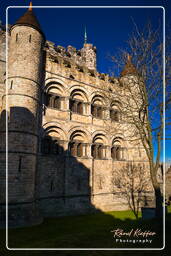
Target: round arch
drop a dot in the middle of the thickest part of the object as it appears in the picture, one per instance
(78, 143)
(55, 87)
(54, 128)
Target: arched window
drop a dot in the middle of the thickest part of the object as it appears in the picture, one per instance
(80, 149)
(78, 99)
(99, 112)
(73, 148)
(97, 106)
(78, 144)
(52, 143)
(53, 101)
(93, 151)
(76, 106)
(115, 113)
(80, 107)
(98, 148)
(76, 148)
(57, 102)
(118, 150)
(98, 151)
(116, 153)
(53, 96)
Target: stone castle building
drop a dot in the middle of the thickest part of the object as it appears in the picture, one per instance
(66, 132)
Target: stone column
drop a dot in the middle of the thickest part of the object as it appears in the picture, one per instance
(88, 150)
(108, 152)
(66, 103)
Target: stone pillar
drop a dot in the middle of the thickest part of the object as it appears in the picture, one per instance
(89, 109)
(88, 149)
(108, 152)
(84, 149)
(66, 103)
(62, 100)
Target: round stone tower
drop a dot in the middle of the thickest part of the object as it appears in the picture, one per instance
(24, 83)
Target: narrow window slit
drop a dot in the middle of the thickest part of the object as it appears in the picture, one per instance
(11, 85)
(51, 186)
(19, 165)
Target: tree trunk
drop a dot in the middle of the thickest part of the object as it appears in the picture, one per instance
(157, 191)
(159, 202)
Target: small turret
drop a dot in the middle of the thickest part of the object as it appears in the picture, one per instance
(29, 19)
(88, 53)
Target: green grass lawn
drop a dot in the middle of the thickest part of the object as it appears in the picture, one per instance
(86, 231)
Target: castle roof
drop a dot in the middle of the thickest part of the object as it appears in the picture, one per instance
(129, 68)
(29, 19)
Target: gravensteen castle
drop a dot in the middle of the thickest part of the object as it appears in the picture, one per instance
(66, 132)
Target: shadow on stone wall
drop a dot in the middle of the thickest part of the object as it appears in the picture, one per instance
(22, 151)
(62, 182)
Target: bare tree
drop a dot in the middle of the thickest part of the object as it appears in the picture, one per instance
(132, 182)
(142, 81)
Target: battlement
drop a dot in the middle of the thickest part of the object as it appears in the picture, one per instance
(70, 57)
(85, 57)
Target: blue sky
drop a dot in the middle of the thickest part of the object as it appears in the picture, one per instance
(107, 28)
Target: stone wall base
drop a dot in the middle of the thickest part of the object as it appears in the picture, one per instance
(52, 207)
(20, 215)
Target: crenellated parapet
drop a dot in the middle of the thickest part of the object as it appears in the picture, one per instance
(72, 61)
(85, 57)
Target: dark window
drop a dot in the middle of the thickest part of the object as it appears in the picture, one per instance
(76, 149)
(19, 165)
(53, 101)
(93, 151)
(11, 85)
(93, 110)
(73, 148)
(16, 39)
(80, 108)
(51, 146)
(79, 149)
(71, 105)
(76, 106)
(114, 115)
(29, 38)
(57, 102)
(97, 151)
(72, 77)
(100, 151)
(51, 185)
(116, 153)
(97, 111)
